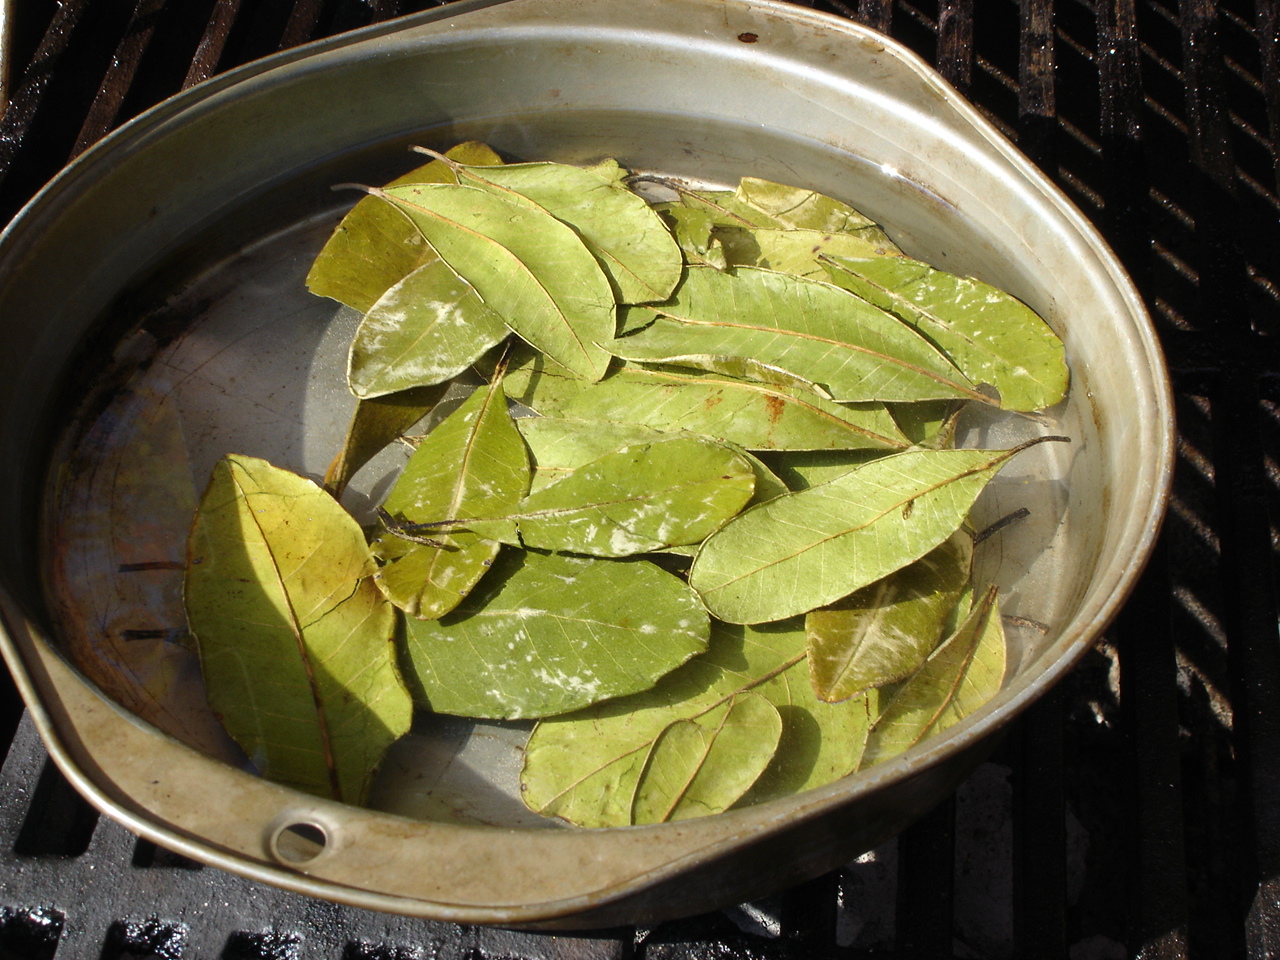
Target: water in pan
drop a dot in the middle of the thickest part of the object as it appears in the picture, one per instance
(255, 364)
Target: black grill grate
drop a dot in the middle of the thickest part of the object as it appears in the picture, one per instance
(1133, 812)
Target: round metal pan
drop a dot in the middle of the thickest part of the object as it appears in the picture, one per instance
(153, 316)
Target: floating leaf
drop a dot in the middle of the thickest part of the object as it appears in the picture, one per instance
(587, 767)
(883, 632)
(959, 677)
(627, 237)
(527, 266)
(811, 548)
(642, 497)
(374, 247)
(692, 228)
(295, 640)
(813, 330)
(991, 336)
(472, 464)
(374, 424)
(799, 208)
(547, 634)
(797, 252)
(802, 469)
(696, 767)
(756, 416)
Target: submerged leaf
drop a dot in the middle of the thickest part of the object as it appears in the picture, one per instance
(549, 633)
(472, 464)
(811, 548)
(883, 632)
(756, 416)
(374, 247)
(959, 677)
(642, 497)
(587, 767)
(527, 266)
(698, 767)
(797, 252)
(988, 334)
(295, 641)
(799, 208)
(628, 238)
(374, 424)
(816, 331)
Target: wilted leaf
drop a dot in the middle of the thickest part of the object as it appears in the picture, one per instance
(550, 633)
(587, 767)
(698, 767)
(527, 266)
(989, 335)
(642, 497)
(883, 632)
(756, 416)
(472, 464)
(959, 677)
(375, 246)
(295, 640)
(811, 548)
(374, 424)
(816, 331)
(628, 238)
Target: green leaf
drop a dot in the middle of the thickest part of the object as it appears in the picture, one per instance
(799, 208)
(988, 334)
(696, 767)
(959, 677)
(472, 464)
(802, 469)
(797, 252)
(692, 228)
(587, 767)
(627, 237)
(424, 330)
(816, 331)
(295, 640)
(560, 446)
(642, 497)
(374, 424)
(527, 266)
(883, 632)
(756, 416)
(811, 548)
(374, 247)
(550, 633)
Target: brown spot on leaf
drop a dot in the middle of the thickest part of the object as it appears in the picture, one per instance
(776, 407)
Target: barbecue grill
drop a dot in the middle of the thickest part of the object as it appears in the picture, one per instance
(1133, 812)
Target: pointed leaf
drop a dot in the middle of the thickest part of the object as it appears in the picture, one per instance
(988, 334)
(798, 208)
(797, 252)
(375, 247)
(811, 548)
(295, 640)
(642, 497)
(527, 266)
(587, 767)
(959, 677)
(472, 463)
(814, 330)
(696, 768)
(547, 634)
(802, 469)
(374, 424)
(692, 228)
(883, 632)
(628, 238)
(753, 415)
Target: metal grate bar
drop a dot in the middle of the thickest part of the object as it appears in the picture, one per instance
(205, 62)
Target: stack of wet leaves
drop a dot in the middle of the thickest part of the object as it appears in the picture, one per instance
(721, 559)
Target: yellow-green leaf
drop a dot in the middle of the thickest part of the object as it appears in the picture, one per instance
(374, 424)
(295, 640)
(959, 677)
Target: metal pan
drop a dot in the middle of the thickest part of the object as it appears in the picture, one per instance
(152, 317)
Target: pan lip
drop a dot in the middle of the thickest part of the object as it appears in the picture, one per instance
(1139, 536)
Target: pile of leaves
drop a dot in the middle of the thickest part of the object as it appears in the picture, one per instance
(722, 557)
